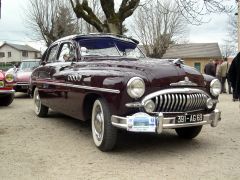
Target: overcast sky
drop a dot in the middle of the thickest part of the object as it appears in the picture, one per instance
(13, 28)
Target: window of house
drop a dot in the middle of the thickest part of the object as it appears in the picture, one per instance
(197, 65)
(2, 54)
(24, 54)
(9, 54)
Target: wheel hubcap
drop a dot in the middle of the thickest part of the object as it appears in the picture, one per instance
(37, 101)
(98, 122)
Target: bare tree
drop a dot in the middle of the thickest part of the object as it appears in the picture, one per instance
(113, 21)
(194, 10)
(96, 8)
(114, 17)
(50, 20)
(232, 28)
(228, 48)
(158, 25)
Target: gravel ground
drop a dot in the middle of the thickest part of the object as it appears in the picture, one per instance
(59, 147)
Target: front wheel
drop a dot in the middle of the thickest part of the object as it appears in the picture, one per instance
(40, 109)
(6, 100)
(188, 132)
(103, 132)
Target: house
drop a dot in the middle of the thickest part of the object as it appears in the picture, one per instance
(195, 54)
(15, 52)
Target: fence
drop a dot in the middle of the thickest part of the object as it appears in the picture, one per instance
(6, 66)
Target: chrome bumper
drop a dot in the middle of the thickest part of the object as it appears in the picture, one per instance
(22, 84)
(7, 91)
(169, 122)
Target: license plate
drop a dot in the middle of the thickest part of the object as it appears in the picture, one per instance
(190, 118)
(1, 84)
(24, 86)
(141, 123)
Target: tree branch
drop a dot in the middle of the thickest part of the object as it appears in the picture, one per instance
(82, 10)
(127, 8)
(108, 8)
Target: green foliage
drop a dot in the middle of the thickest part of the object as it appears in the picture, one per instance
(6, 66)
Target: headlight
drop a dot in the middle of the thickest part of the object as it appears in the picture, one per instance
(149, 106)
(9, 78)
(210, 103)
(215, 87)
(135, 87)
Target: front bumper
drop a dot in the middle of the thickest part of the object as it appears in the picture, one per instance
(3, 91)
(169, 122)
(21, 86)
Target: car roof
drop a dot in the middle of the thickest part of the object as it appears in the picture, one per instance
(91, 35)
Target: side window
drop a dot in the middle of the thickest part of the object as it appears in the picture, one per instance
(52, 54)
(65, 52)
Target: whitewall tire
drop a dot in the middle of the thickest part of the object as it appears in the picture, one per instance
(39, 109)
(104, 134)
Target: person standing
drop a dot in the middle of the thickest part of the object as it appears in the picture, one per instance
(222, 74)
(234, 77)
(210, 68)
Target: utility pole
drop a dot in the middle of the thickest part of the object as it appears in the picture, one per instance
(238, 24)
(0, 8)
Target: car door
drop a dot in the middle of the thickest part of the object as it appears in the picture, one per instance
(44, 78)
(72, 95)
(59, 86)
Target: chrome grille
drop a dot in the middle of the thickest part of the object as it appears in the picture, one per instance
(180, 102)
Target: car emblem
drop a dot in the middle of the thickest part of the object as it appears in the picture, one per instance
(75, 78)
(185, 82)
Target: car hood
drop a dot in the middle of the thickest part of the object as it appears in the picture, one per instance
(23, 76)
(159, 72)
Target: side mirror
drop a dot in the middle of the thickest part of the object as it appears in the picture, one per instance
(43, 63)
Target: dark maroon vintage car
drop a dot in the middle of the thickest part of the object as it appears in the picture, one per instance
(6, 88)
(108, 80)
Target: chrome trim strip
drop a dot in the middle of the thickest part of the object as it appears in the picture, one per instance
(7, 91)
(157, 97)
(81, 87)
(134, 105)
(22, 84)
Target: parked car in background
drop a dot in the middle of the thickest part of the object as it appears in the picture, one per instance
(6, 88)
(108, 80)
(22, 74)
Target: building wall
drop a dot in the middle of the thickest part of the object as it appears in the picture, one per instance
(202, 61)
(16, 55)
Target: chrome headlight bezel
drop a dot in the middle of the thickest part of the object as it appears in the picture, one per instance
(215, 87)
(9, 78)
(136, 87)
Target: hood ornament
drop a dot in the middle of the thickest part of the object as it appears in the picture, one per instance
(185, 82)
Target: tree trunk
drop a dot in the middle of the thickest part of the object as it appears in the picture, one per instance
(114, 20)
(114, 28)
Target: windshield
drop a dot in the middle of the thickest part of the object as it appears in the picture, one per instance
(28, 65)
(107, 46)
